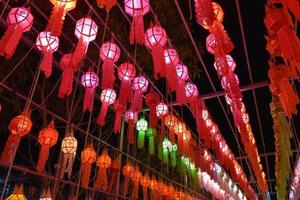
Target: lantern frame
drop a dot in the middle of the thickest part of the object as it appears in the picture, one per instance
(108, 96)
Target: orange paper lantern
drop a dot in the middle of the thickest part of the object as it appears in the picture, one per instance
(103, 162)
(88, 157)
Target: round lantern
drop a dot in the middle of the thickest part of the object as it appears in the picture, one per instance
(161, 110)
(107, 97)
(182, 72)
(156, 39)
(224, 64)
(141, 127)
(88, 157)
(90, 81)
(139, 85)
(103, 162)
(211, 43)
(171, 60)
(191, 91)
(182, 75)
(126, 74)
(69, 145)
(137, 9)
(19, 20)
(47, 43)
(170, 121)
(131, 118)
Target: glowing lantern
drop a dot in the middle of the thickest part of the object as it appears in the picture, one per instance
(90, 81)
(152, 99)
(179, 129)
(47, 43)
(170, 121)
(126, 74)
(19, 126)
(145, 183)
(156, 39)
(139, 86)
(171, 60)
(119, 110)
(109, 54)
(191, 91)
(17, 194)
(224, 64)
(107, 97)
(206, 22)
(211, 43)
(182, 76)
(56, 20)
(141, 127)
(88, 157)
(19, 20)
(127, 170)
(68, 148)
(137, 9)
(135, 178)
(108, 4)
(47, 138)
(103, 162)
(161, 110)
(131, 118)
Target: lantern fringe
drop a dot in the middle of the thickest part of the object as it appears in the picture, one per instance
(145, 193)
(153, 194)
(171, 136)
(171, 75)
(137, 103)
(141, 139)
(67, 165)
(119, 110)
(152, 99)
(44, 154)
(131, 132)
(108, 76)
(79, 52)
(186, 148)
(173, 158)
(88, 99)
(10, 41)
(126, 186)
(157, 52)
(162, 130)
(101, 181)
(11, 145)
(160, 151)
(115, 168)
(135, 190)
(102, 114)
(151, 145)
(180, 92)
(46, 64)
(125, 92)
(86, 173)
(137, 30)
(165, 156)
(56, 21)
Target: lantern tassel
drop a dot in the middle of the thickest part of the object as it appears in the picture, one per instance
(56, 22)
(119, 110)
(153, 195)
(165, 156)
(66, 84)
(135, 190)
(44, 154)
(125, 92)
(10, 146)
(68, 160)
(180, 92)
(144, 193)
(88, 99)
(158, 61)
(114, 174)
(171, 77)
(151, 145)
(101, 182)
(46, 64)
(141, 139)
(79, 52)
(126, 185)
(131, 132)
(180, 142)
(137, 30)
(102, 114)
(10, 41)
(153, 118)
(186, 148)
(137, 104)
(171, 136)
(162, 130)
(173, 158)
(108, 77)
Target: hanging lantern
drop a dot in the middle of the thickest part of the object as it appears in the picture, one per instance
(68, 148)
(56, 20)
(107, 97)
(17, 194)
(115, 169)
(135, 178)
(119, 110)
(156, 39)
(166, 145)
(131, 118)
(171, 60)
(103, 162)
(109, 54)
(127, 170)
(47, 138)
(161, 111)
(152, 99)
(19, 126)
(88, 157)
(145, 183)
(224, 64)
(191, 91)
(170, 121)
(137, 9)
(179, 129)
(47, 43)
(126, 74)
(211, 43)
(19, 20)
(139, 86)
(141, 127)
(90, 81)
(182, 75)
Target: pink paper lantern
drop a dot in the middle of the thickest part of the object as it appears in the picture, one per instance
(211, 43)
(139, 86)
(47, 43)
(224, 64)
(191, 90)
(90, 81)
(171, 60)
(126, 74)
(161, 110)
(182, 75)
(107, 97)
(131, 118)
(229, 81)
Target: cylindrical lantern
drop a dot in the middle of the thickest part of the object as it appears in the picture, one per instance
(131, 118)
(127, 170)
(137, 9)
(90, 81)
(156, 39)
(19, 20)
(139, 86)
(152, 99)
(141, 127)
(182, 75)
(19, 126)
(171, 60)
(47, 43)
(107, 97)
(145, 183)
(119, 110)
(47, 138)
(103, 162)
(224, 64)
(88, 157)
(109, 54)
(126, 74)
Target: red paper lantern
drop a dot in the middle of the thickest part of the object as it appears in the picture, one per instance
(218, 14)
(137, 9)
(152, 99)
(47, 43)
(131, 118)
(126, 73)
(107, 97)
(19, 20)
(109, 54)
(161, 110)
(90, 81)
(224, 64)
(171, 60)
(103, 162)
(156, 39)
(88, 157)
(47, 138)
(182, 75)
(139, 86)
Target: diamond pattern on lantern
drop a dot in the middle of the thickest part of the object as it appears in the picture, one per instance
(131, 116)
(89, 80)
(87, 29)
(170, 120)
(179, 128)
(191, 90)
(111, 51)
(211, 43)
(230, 62)
(155, 35)
(20, 125)
(182, 72)
(142, 125)
(108, 96)
(161, 110)
(47, 42)
(171, 56)
(69, 145)
(126, 71)
(226, 81)
(136, 7)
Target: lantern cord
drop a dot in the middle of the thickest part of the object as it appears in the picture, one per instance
(5, 6)
(190, 10)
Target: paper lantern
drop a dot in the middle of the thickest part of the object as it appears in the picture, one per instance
(218, 13)
(56, 20)
(137, 9)
(47, 43)
(152, 99)
(139, 86)
(19, 20)
(107, 97)
(135, 178)
(179, 129)
(156, 39)
(171, 60)
(211, 43)
(191, 91)
(119, 110)
(161, 110)
(47, 138)
(182, 75)
(19, 126)
(109, 54)
(131, 118)
(126, 74)
(17, 194)
(68, 148)
(145, 183)
(224, 64)
(141, 127)
(170, 120)
(88, 157)
(90, 81)
(103, 162)
(127, 170)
